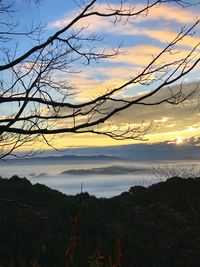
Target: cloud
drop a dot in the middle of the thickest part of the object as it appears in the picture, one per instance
(138, 55)
(193, 140)
(95, 81)
(190, 141)
(161, 24)
(142, 55)
(165, 14)
(171, 13)
(166, 113)
(170, 122)
(159, 12)
(164, 35)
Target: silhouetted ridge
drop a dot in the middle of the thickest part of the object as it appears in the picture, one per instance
(155, 226)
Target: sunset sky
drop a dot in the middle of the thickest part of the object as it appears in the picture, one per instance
(142, 38)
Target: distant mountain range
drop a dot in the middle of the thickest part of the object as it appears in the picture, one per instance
(66, 158)
(137, 152)
(144, 152)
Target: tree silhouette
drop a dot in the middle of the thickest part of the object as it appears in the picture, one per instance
(39, 105)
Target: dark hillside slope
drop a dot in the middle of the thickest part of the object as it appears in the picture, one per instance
(155, 226)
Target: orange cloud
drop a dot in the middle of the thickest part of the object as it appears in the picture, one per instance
(158, 12)
(143, 54)
(164, 13)
(170, 13)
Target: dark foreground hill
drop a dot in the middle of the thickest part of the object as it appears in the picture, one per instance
(157, 226)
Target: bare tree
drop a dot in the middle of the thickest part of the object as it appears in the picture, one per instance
(39, 105)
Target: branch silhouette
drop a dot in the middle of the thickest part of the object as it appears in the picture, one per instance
(40, 104)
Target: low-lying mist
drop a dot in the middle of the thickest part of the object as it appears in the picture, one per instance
(99, 178)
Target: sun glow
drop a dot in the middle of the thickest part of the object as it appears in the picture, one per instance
(179, 141)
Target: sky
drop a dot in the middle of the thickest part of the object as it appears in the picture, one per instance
(143, 38)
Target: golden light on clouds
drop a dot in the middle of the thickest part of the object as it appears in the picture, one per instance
(171, 123)
(89, 140)
(158, 12)
(98, 80)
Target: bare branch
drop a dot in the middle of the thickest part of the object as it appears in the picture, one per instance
(39, 103)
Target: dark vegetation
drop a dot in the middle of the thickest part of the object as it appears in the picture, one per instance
(155, 226)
